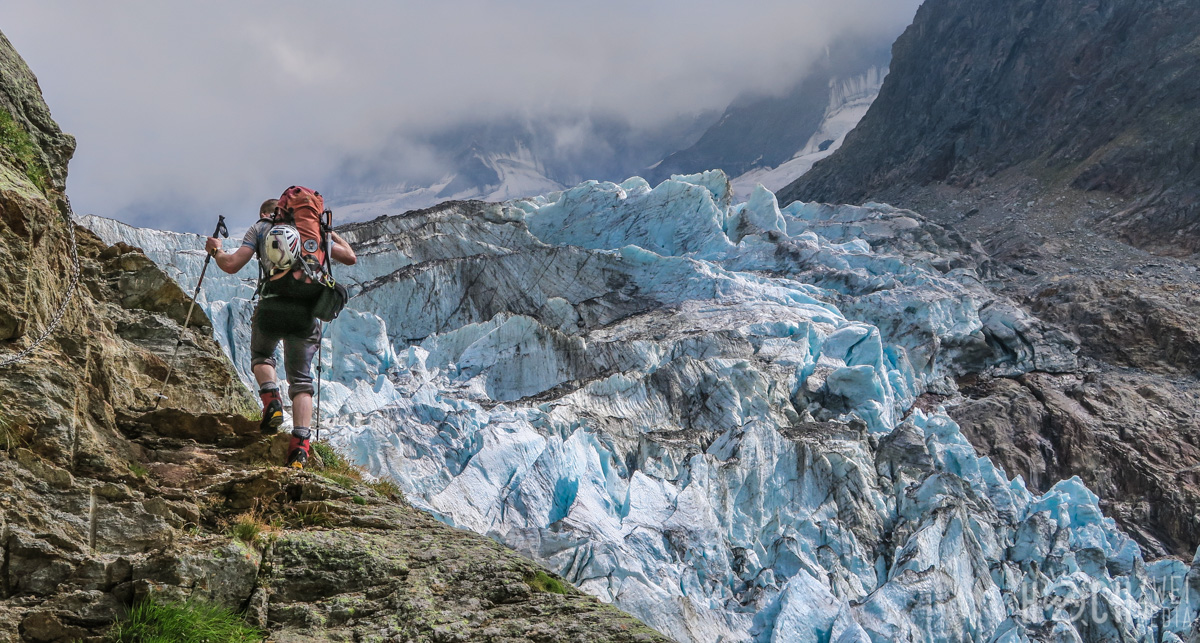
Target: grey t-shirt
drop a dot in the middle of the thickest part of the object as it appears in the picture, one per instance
(256, 237)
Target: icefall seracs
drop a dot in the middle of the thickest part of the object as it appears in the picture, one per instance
(707, 413)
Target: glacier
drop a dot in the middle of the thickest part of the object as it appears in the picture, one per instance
(726, 418)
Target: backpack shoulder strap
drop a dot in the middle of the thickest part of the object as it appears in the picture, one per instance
(262, 278)
(262, 273)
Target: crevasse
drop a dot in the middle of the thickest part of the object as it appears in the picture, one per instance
(722, 417)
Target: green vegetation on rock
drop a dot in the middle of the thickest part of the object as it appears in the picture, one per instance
(332, 459)
(190, 622)
(246, 407)
(387, 488)
(545, 583)
(24, 152)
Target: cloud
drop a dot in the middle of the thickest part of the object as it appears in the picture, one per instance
(210, 106)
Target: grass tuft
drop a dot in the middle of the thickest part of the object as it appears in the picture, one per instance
(545, 583)
(190, 622)
(387, 488)
(24, 152)
(340, 471)
(313, 517)
(138, 470)
(14, 436)
(246, 529)
(251, 529)
(334, 461)
(345, 482)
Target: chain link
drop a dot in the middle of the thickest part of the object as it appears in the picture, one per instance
(62, 310)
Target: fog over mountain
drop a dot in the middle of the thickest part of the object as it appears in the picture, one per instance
(185, 110)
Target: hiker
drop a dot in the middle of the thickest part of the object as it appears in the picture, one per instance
(289, 274)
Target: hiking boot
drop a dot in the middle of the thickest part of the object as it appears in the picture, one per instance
(272, 415)
(298, 453)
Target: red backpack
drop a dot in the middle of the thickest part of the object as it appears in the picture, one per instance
(305, 209)
(289, 303)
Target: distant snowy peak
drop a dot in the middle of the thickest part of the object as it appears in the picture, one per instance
(849, 100)
(480, 175)
(502, 159)
(519, 175)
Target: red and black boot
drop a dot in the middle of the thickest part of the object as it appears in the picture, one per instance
(272, 415)
(299, 449)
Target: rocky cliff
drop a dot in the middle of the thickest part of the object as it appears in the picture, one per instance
(119, 323)
(1098, 96)
(105, 502)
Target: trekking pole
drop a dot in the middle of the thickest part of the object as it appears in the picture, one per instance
(221, 231)
(320, 367)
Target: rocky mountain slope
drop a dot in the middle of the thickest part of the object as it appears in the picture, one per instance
(104, 502)
(734, 421)
(1098, 97)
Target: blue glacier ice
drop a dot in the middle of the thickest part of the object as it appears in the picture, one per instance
(705, 412)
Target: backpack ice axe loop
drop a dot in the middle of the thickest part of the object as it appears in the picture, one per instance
(223, 232)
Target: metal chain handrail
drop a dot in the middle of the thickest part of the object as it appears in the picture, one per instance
(62, 310)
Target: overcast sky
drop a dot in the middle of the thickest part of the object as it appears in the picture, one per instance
(183, 108)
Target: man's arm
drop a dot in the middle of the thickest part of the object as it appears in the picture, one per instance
(230, 262)
(342, 252)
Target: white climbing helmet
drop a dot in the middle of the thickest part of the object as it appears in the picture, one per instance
(283, 248)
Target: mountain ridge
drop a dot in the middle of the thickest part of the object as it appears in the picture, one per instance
(1096, 97)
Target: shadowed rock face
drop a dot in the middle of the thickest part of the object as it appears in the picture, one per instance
(1098, 95)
